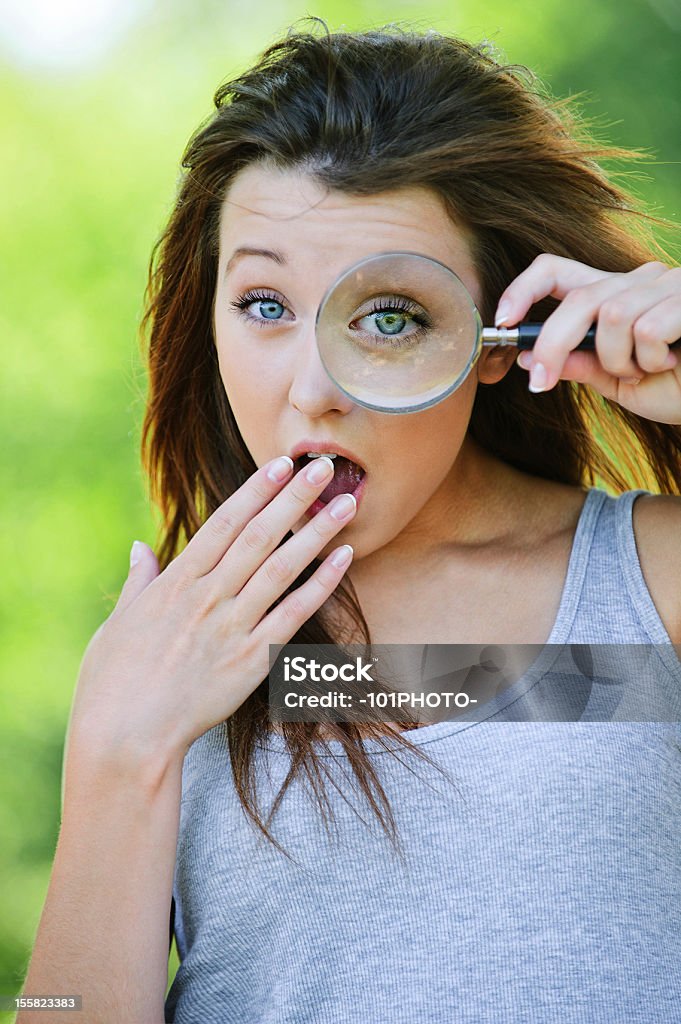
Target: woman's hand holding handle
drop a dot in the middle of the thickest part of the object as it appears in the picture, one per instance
(638, 320)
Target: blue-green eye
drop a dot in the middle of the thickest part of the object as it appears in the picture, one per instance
(396, 321)
(268, 307)
(387, 321)
(271, 310)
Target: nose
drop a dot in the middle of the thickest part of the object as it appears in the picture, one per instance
(312, 391)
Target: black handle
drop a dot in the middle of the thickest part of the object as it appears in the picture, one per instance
(528, 334)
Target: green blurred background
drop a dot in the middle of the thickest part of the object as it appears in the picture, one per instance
(97, 102)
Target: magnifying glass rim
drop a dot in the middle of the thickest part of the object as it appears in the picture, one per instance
(477, 347)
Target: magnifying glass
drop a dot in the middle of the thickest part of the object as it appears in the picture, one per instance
(399, 332)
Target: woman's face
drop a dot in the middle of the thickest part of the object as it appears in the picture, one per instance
(275, 382)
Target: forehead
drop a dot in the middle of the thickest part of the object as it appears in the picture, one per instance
(320, 230)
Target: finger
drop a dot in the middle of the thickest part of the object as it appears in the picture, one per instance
(143, 569)
(563, 330)
(263, 533)
(625, 342)
(554, 276)
(655, 331)
(293, 612)
(546, 275)
(215, 536)
(286, 563)
(584, 368)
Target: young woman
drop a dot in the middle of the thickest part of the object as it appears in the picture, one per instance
(327, 874)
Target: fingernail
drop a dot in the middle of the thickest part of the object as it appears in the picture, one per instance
(538, 377)
(319, 470)
(280, 469)
(342, 506)
(524, 359)
(671, 361)
(502, 313)
(341, 557)
(135, 552)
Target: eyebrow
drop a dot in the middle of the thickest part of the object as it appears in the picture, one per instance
(249, 250)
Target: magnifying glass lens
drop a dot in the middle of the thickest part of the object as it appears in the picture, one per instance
(397, 332)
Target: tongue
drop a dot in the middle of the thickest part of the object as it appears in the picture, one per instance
(346, 477)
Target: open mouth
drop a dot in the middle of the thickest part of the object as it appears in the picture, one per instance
(348, 478)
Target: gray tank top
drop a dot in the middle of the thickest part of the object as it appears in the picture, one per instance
(544, 885)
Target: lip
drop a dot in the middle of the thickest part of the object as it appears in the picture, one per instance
(324, 445)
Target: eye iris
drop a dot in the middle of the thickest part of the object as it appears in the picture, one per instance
(390, 323)
(271, 309)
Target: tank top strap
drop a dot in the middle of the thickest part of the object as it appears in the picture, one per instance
(578, 565)
(630, 568)
(606, 599)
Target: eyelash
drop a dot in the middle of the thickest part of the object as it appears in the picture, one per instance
(258, 295)
(381, 305)
(387, 305)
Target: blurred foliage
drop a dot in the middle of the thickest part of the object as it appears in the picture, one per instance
(91, 156)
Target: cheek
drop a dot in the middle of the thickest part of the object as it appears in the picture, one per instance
(247, 370)
(253, 393)
(410, 473)
(431, 444)
(412, 479)
(416, 465)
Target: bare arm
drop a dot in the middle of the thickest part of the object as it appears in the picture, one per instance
(103, 933)
(180, 653)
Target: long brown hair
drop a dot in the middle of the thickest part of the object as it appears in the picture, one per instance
(363, 113)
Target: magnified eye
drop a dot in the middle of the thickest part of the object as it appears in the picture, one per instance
(395, 318)
(389, 322)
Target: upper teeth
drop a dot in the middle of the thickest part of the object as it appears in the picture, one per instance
(316, 455)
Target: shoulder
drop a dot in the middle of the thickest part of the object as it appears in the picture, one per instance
(656, 520)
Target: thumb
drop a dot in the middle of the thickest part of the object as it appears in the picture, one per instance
(143, 569)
